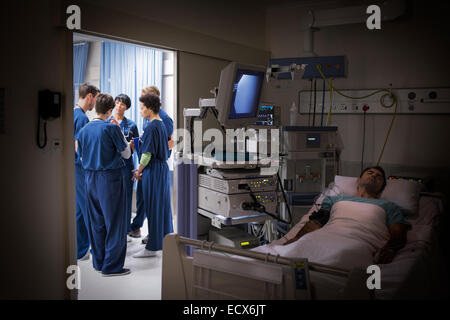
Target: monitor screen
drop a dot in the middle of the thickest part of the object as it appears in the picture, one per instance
(246, 93)
(239, 93)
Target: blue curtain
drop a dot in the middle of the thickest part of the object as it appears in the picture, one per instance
(80, 54)
(127, 69)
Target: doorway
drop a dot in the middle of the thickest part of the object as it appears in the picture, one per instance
(117, 67)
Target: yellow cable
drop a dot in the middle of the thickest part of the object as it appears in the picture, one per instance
(388, 93)
(388, 133)
(331, 104)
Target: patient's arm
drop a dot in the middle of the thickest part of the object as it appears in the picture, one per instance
(308, 227)
(397, 240)
(316, 221)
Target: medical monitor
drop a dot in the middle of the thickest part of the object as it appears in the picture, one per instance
(239, 94)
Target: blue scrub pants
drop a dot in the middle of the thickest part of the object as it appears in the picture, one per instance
(128, 175)
(138, 220)
(81, 214)
(105, 202)
(156, 191)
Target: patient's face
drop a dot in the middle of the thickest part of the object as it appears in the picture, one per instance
(372, 180)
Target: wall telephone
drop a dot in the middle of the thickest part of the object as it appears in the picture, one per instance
(49, 107)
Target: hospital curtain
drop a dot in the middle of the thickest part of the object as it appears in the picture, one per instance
(80, 54)
(127, 69)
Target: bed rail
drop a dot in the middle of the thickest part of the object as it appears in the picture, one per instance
(178, 268)
(260, 256)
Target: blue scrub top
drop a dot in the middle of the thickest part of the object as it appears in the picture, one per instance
(80, 119)
(154, 140)
(168, 122)
(100, 144)
(130, 131)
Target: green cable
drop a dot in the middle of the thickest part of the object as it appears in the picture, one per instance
(388, 93)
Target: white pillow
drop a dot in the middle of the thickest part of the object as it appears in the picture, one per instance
(346, 185)
(403, 193)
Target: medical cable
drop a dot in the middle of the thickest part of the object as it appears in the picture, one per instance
(323, 103)
(191, 129)
(257, 206)
(387, 93)
(38, 134)
(389, 132)
(191, 126)
(331, 104)
(216, 115)
(310, 103)
(363, 140)
(284, 197)
(315, 101)
(261, 232)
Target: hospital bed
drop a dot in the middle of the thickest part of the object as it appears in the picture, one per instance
(220, 272)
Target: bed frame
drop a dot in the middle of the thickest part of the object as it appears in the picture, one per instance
(220, 272)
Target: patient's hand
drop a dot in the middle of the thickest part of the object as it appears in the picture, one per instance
(386, 255)
(397, 240)
(309, 226)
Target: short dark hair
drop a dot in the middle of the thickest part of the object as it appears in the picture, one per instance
(151, 102)
(104, 103)
(124, 99)
(379, 169)
(85, 89)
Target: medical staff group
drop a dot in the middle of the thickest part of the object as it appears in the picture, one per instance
(105, 175)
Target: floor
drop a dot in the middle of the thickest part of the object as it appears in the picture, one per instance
(143, 283)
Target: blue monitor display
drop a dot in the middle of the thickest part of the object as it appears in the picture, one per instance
(246, 93)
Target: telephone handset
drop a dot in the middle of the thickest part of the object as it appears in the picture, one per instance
(49, 108)
(49, 105)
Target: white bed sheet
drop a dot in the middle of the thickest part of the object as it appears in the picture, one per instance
(349, 240)
(417, 269)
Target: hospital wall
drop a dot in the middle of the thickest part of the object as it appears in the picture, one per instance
(410, 52)
(37, 233)
(37, 186)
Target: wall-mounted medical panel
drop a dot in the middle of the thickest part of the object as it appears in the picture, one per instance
(410, 101)
(332, 67)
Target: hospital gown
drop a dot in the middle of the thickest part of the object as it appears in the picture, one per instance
(138, 220)
(155, 184)
(130, 131)
(100, 146)
(79, 121)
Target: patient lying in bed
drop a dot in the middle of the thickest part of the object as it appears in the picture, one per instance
(348, 231)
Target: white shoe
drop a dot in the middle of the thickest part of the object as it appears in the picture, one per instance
(144, 253)
(129, 239)
(85, 257)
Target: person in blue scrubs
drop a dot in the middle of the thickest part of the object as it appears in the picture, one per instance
(130, 131)
(154, 172)
(86, 102)
(102, 148)
(138, 220)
